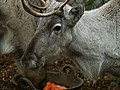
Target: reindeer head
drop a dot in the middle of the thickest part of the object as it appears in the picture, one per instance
(54, 31)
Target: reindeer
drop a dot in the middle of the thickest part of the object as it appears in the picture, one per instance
(91, 38)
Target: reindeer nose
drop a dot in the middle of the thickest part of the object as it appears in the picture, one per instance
(30, 61)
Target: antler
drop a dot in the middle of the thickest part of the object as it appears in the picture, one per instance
(44, 4)
(37, 14)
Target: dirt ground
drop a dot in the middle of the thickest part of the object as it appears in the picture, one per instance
(8, 70)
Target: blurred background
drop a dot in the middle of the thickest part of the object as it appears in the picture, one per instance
(89, 4)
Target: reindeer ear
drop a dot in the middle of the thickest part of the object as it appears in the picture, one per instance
(75, 14)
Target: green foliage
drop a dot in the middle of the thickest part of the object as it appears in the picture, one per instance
(91, 4)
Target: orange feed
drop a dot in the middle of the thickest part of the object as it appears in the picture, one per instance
(52, 86)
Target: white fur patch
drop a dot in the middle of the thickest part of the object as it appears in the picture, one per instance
(6, 44)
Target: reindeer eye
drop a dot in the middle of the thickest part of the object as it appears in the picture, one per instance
(57, 27)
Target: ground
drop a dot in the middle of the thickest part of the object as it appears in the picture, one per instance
(8, 69)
